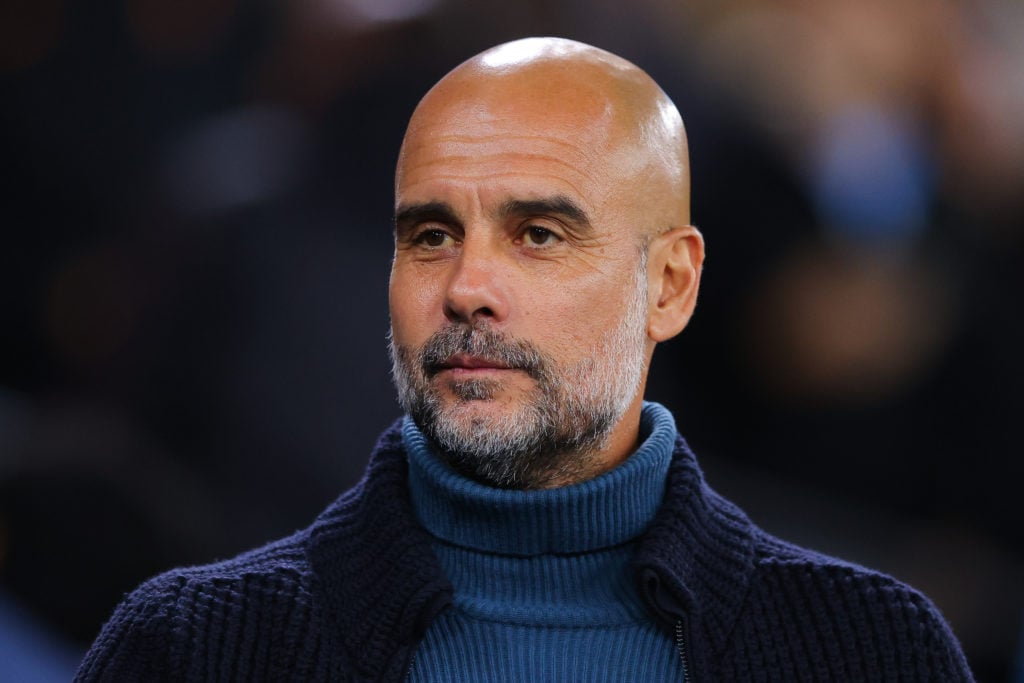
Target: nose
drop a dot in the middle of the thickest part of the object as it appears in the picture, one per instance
(477, 287)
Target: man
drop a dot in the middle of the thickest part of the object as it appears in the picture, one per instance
(532, 518)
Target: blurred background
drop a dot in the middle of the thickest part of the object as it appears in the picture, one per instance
(196, 213)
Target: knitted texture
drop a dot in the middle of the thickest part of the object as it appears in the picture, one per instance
(542, 579)
(349, 599)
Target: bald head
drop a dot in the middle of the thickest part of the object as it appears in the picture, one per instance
(614, 119)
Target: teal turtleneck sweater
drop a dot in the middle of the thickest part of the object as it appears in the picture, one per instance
(542, 580)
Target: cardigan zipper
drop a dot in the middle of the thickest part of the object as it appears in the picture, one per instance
(684, 659)
(412, 663)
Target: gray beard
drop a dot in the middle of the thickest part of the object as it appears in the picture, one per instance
(554, 433)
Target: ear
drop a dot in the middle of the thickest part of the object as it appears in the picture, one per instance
(674, 264)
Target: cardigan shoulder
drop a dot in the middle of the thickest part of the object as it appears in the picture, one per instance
(756, 607)
(843, 620)
(344, 599)
(214, 622)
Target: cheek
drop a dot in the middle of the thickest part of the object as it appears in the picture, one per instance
(412, 302)
(570, 320)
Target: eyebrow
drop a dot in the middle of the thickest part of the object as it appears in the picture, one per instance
(557, 205)
(410, 214)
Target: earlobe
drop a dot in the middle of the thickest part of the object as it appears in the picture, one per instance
(675, 260)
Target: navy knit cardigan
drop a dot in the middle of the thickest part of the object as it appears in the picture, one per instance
(349, 598)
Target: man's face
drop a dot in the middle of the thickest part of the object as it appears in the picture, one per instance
(518, 290)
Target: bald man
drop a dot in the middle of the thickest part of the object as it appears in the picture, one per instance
(531, 517)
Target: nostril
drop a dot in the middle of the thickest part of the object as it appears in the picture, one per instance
(454, 314)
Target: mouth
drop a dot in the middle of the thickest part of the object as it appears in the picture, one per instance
(462, 363)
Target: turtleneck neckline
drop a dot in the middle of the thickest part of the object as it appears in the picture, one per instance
(609, 510)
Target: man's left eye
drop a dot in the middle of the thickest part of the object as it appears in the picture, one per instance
(539, 237)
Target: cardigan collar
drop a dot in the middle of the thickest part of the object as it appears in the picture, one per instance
(696, 561)
(382, 585)
(380, 582)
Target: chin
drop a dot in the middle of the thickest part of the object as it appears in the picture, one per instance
(499, 406)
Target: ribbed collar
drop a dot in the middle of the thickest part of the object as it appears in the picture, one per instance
(606, 511)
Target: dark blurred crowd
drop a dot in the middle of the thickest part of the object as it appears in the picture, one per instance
(196, 215)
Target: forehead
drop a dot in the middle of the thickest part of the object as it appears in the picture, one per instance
(530, 141)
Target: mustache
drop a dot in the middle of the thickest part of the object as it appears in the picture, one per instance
(483, 343)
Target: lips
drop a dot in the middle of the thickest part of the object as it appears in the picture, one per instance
(463, 361)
